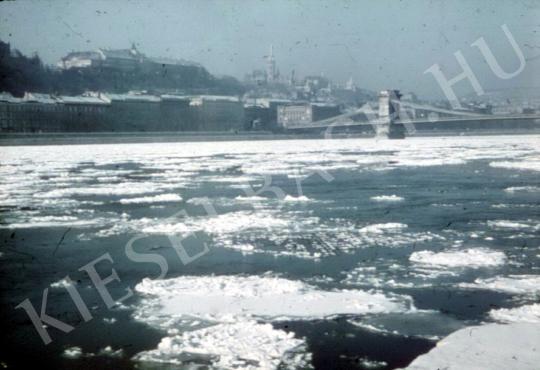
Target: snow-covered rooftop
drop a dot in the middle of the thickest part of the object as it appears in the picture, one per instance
(39, 98)
(134, 97)
(174, 97)
(82, 100)
(8, 98)
(202, 98)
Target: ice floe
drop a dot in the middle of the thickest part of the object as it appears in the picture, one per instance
(242, 345)
(300, 198)
(386, 276)
(366, 363)
(253, 198)
(387, 198)
(63, 283)
(522, 189)
(225, 223)
(240, 247)
(514, 225)
(53, 221)
(214, 297)
(527, 313)
(530, 165)
(513, 284)
(382, 228)
(72, 353)
(153, 199)
(236, 312)
(110, 352)
(472, 257)
(491, 346)
(125, 188)
(282, 232)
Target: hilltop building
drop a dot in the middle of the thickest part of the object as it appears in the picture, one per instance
(272, 75)
(269, 75)
(120, 59)
(125, 59)
(82, 59)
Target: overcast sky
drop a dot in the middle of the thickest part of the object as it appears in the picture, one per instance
(381, 44)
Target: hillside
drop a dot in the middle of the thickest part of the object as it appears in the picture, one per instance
(20, 73)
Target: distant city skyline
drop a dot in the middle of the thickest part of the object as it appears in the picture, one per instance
(387, 44)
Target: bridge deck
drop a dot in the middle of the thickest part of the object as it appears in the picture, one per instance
(345, 120)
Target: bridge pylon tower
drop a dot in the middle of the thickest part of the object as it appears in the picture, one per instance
(389, 108)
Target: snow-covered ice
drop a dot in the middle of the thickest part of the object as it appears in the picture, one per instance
(237, 312)
(526, 313)
(213, 297)
(472, 257)
(491, 346)
(152, 199)
(245, 345)
(387, 198)
(513, 284)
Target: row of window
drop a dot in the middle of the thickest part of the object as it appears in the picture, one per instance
(29, 124)
(49, 108)
(39, 115)
(295, 116)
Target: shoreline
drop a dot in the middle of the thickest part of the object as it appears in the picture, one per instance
(68, 138)
(77, 138)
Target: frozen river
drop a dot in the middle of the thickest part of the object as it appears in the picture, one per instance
(329, 254)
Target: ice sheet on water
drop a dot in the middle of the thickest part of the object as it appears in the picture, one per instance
(253, 198)
(110, 352)
(522, 189)
(246, 345)
(387, 274)
(161, 198)
(529, 164)
(226, 223)
(508, 225)
(491, 346)
(216, 297)
(62, 283)
(123, 188)
(527, 313)
(512, 284)
(382, 228)
(280, 232)
(425, 161)
(231, 309)
(335, 236)
(387, 198)
(472, 258)
(63, 172)
(300, 198)
(53, 221)
(73, 353)
(423, 268)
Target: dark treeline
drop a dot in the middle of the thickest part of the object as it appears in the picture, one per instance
(20, 73)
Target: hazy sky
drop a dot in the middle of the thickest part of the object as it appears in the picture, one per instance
(381, 44)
